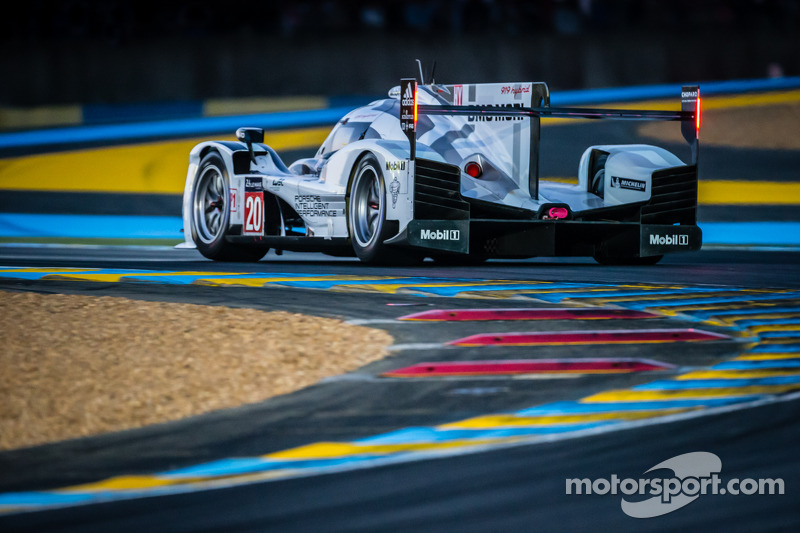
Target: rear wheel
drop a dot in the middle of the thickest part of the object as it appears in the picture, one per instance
(211, 213)
(366, 216)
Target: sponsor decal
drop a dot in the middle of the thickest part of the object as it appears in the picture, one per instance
(669, 240)
(407, 124)
(312, 205)
(440, 234)
(628, 183)
(482, 118)
(277, 182)
(458, 94)
(234, 205)
(253, 207)
(394, 189)
(688, 96)
(673, 484)
(408, 95)
(515, 89)
(396, 165)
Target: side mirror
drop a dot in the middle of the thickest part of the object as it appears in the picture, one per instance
(250, 136)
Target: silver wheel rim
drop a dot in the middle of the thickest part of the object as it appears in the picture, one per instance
(366, 206)
(210, 202)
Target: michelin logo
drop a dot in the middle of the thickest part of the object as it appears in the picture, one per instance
(440, 235)
(628, 183)
(669, 240)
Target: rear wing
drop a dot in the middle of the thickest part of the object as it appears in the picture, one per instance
(689, 116)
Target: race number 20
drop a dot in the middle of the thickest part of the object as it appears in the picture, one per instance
(253, 207)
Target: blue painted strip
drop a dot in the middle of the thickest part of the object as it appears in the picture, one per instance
(704, 301)
(778, 334)
(756, 233)
(767, 322)
(560, 408)
(452, 291)
(704, 314)
(190, 127)
(775, 348)
(757, 365)
(42, 498)
(90, 226)
(39, 275)
(557, 297)
(717, 383)
(649, 92)
(327, 284)
(428, 434)
(232, 467)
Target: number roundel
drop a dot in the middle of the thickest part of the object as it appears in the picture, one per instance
(254, 213)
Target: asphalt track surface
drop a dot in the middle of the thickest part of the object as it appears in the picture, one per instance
(508, 488)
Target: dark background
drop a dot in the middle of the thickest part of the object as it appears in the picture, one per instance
(64, 52)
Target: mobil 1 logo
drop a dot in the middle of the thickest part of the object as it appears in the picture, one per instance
(449, 235)
(659, 239)
(253, 207)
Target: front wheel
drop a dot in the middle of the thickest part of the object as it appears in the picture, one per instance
(211, 213)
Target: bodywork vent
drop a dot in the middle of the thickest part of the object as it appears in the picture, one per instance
(674, 197)
(437, 191)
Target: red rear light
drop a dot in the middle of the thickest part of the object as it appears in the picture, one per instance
(697, 112)
(415, 109)
(473, 169)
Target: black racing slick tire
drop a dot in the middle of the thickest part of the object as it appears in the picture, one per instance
(211, 211)
(366, 216)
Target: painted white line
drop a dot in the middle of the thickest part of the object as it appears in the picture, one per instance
(416, 346)
(369, 321)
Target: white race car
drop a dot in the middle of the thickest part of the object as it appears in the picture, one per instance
(448, 172)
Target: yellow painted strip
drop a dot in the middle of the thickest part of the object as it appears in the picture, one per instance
(38, 117)
(773, 327)
(737, 374)
(412, 284)
(250, 106)
(728, 306)
(688, 295)
(327, 450)
(107, 278)
(767, 356)
(725, 192)
(127, 483)
(491, 421)
(779, 341)
(156, 168)
(651, 395)
(260, 282)
(731, 320)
